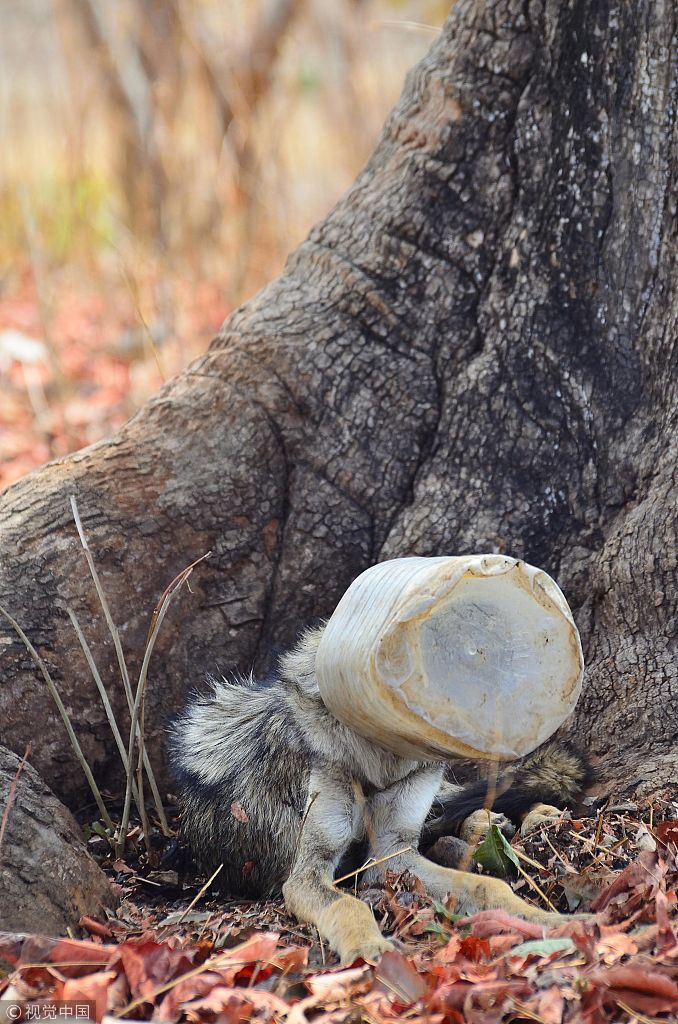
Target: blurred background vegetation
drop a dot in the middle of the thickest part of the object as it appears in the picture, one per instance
(158, 160)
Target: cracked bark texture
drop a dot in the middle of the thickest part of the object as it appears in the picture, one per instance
(475, 350)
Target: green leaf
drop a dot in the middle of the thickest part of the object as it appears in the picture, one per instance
(99, 830)
(441, 909)
(541, 947)
(437, 929)
(496, 855)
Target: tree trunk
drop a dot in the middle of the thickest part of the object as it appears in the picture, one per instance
(475, 350)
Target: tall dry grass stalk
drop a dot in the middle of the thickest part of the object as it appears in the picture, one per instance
(136, 734)
(122, 665)
(133, 768)
(75, 743)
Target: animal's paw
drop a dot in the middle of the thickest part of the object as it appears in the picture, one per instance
(451, 852)
(370, 950)
(538, 816)
(475, 828)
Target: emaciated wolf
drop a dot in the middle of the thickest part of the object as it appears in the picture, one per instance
(280, 792)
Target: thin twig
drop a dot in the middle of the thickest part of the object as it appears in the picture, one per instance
(135, 733)
(602, 857)
(526, 1012)
(113, 629)
(169, 590)
(635, 1015)
(133, 289)
(12, 793)
(528, 860)
(200, 894)
(576, 836)
(599, 829)
(417, 26)
(140, 777)
(89, 658)
(568, 867)
(322, 947)
(531, 881)
(115, 636)
(371, 864)
(64, 716)
(312, 800)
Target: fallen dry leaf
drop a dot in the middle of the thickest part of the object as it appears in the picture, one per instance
(91, 988)
(667, 832)
(234, 962)
(400, 979)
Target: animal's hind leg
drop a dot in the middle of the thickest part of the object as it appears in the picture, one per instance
(472, 827)
(538, 816)
(347, 924)
(397, 816)
(475, 827)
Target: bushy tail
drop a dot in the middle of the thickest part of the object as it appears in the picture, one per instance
(554, 774)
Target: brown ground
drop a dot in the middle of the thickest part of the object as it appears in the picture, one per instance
(168, 956)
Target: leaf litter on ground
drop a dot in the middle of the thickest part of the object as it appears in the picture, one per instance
(235, 960)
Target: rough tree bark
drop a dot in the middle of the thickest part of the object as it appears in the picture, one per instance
(475, 350)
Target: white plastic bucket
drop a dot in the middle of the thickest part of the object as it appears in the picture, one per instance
(473, 656)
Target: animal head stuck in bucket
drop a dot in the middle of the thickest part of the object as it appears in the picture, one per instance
(472, 656)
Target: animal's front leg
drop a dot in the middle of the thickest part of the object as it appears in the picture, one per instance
(346, 923)
(397, 815)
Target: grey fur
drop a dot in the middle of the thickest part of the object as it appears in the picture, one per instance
(255, 745)
(278, 790)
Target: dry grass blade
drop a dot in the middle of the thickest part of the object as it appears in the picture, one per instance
(531, 882)
(568, 867)
(371, 864)
(168, 592)
(64, 716)
(124, 674)
(89, 658)
(635, 1015)
(12, 793)
(525, 1011)
(137, 734)
(37, 263)
(199, 895)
